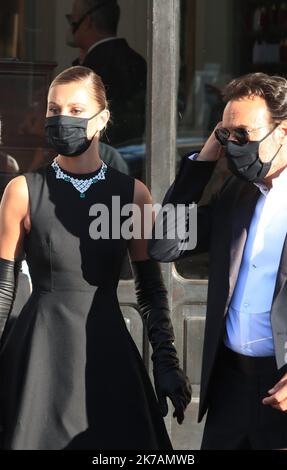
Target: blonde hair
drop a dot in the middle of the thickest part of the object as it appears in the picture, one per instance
(84, 74)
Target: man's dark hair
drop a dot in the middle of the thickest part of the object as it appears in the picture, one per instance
(106, 17)
(273, 89)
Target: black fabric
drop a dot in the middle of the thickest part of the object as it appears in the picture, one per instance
(8, 280)
(68, 134)
(244, 161)
(236, 418)
(247, 365)
(170, 380)
(22, 294)
(124, 74)
(187, 189)
(71, 375)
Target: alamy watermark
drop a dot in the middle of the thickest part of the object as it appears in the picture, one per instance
(169, 222)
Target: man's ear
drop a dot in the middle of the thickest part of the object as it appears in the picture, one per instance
(282, 130)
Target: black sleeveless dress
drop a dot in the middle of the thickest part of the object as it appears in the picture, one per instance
(71, 375)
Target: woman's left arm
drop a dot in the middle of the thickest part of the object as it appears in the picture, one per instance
(170, 381)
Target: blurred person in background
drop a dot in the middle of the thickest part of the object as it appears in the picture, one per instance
(93, 28)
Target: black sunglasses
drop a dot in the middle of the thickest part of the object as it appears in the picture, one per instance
(241, 134)
(76, 24)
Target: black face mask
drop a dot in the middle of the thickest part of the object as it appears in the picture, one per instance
(244, 161)
(68, 134)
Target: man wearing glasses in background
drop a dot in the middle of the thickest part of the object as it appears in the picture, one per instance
(93, 29)
(244, 227)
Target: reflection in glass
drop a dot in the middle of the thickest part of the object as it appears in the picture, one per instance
(37, 32)
(11, 28)
(221, 40)
(35, 45)
(94, 31)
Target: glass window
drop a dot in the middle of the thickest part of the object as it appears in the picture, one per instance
(37, 42)
(221, 40)
(39, 39)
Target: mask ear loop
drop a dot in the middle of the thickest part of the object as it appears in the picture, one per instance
(276, 125)
(270, 161)
(270, 132)
(263, 138)
(89, 119)
(99, 112)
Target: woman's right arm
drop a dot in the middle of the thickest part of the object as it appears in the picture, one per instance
(14, 222)
(14, 218)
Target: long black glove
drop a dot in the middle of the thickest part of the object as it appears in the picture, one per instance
(8, 281)
(170, 381)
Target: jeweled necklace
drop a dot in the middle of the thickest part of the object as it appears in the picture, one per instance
(81, 185)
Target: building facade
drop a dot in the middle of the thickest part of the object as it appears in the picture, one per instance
(192, 49)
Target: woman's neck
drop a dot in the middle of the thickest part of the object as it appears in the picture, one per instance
(88, 162)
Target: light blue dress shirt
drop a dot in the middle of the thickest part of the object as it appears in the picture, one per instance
(248, 325)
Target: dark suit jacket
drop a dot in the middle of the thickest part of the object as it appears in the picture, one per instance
(222, 228)
(123, 72)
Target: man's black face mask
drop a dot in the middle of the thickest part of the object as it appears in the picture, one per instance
(243, 159)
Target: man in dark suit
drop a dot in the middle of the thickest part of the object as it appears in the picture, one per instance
(244, 227)
(93, 29)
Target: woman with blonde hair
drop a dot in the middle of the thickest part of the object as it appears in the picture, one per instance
(71, 375)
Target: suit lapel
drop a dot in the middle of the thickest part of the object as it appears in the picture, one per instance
(282, 271)
(242, 213)
(278, 311)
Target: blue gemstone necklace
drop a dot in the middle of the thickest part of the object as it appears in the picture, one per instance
(81, 185)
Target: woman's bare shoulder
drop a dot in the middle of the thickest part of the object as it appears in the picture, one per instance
(16, 195)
